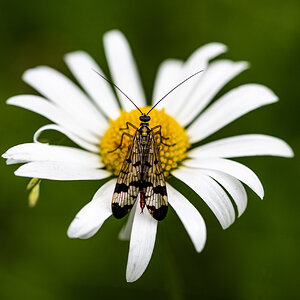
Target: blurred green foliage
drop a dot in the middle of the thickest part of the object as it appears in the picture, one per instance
(256, 258)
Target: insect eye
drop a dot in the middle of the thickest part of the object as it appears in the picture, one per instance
(144, 118)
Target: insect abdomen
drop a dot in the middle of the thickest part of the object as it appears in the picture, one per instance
(142, 201)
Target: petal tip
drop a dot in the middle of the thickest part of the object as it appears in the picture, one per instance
(240, 213)
(20, 174)
(263, 91)
(201, 245)
(289, 151)
(259, 191)
(11, 100)
(25, 74)
(31, 73)
(71, 233)
(114, 33)
(73, 229)
(132, 278)
(17, 172)
(227, 225)
(28, 74)
(244, 65)
(272, 95)
(68, 57)
(215, 49)
(222, 47)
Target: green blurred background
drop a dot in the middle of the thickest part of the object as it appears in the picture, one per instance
(256, 258)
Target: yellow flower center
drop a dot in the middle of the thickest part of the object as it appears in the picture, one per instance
(170, 156)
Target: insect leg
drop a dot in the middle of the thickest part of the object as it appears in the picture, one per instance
(168, 145)
(127, 126)
(161, 137)
(159, 132)
(155, 127)
(124, 133)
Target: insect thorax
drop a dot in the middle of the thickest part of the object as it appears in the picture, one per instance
(144, 129)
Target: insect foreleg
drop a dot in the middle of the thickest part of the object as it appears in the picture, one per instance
(127, 126)
(124, 133)
(161, 137)
(164, 138)
(158, 131)
(168, 145)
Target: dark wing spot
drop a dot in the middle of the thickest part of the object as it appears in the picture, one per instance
(146, 184)
(158, 213)
(118, 211)
(138, 163)
(160, 190)
(121, 187)
(147, 164)
(134, 183)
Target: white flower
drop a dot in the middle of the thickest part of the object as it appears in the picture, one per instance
(208, 171)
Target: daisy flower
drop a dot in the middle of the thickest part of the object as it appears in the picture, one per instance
(92, 117)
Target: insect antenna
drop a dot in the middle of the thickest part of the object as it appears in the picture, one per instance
(174, 88)
(117, 89)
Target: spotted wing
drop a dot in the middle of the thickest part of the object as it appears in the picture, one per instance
(153, 182)
(127, 186)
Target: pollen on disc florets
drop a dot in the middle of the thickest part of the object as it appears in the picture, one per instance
(170, 156)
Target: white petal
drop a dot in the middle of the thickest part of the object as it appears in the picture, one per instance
(232, 186)
(232, 168)
(244, 145)
(141, 245)
(211, 193)
(91, 217)
(62, 91)
(52, 112)
(166, 78)
(60, 171)
(189, 216)
(196, 62)
(125, 233)
(123, 69)
(11, 161)
(214, 78)
(231, 106)
(44, 152)
(77, 140)
(82, 66)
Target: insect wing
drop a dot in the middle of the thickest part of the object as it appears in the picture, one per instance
(154, 184)
(127, 186)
